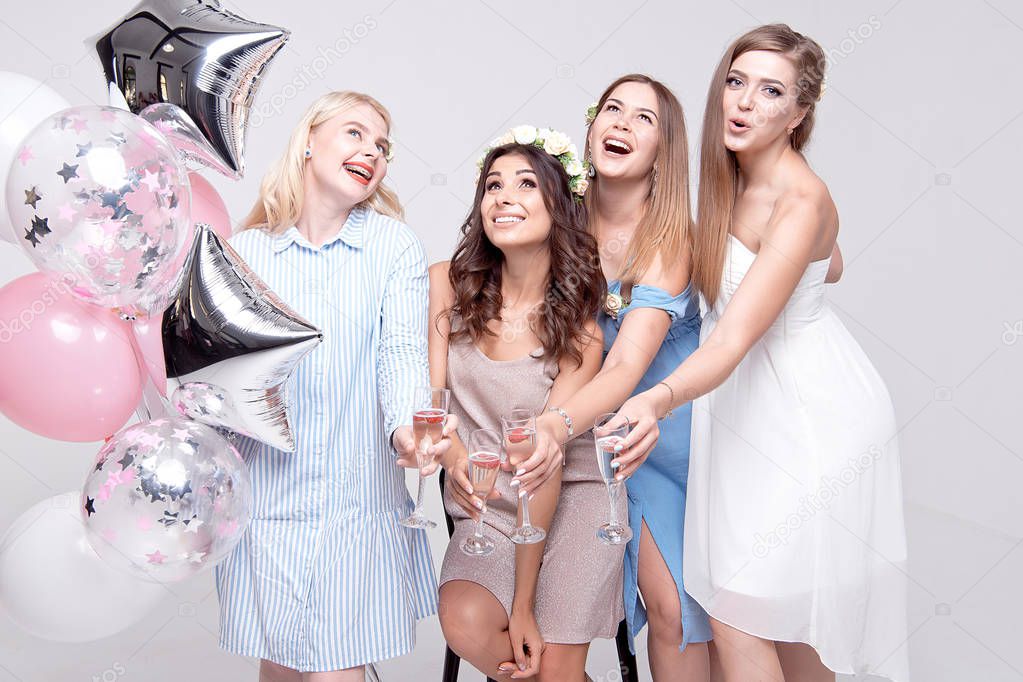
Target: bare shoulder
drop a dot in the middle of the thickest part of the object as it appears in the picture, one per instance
(440, 285)
(440, 270)
(591, 345)
(594, 333)
(805, 210)
(668, 271)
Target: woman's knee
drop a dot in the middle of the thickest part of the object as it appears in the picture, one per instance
(664, 617)
(467, 619)
(563, 663)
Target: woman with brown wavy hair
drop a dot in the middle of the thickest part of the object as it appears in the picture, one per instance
(639, 212)
(512, 326)
(795, 540)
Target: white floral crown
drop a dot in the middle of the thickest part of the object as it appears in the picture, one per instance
(555, 143)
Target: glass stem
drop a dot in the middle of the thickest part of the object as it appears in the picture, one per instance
(526, 523)
(419, 496)
(612, 496)
(479, 523)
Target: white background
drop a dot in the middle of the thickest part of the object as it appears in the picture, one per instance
(918, 137)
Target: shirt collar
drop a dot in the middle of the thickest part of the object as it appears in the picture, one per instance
(351, 233)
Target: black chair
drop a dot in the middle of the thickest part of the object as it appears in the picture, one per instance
(626, 659)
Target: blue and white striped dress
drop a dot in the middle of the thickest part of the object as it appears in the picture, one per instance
(326, 578)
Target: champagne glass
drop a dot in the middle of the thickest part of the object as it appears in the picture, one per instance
(484, 464)
(605, 439)
(430, 413)
(519, 430)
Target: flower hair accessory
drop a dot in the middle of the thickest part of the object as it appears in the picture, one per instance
(591, 113)
(555, 143)
(389, 156)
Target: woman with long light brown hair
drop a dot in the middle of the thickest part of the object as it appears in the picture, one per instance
(795, 541)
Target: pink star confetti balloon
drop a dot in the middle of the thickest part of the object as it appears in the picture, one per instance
(102, 202)
(166, 499)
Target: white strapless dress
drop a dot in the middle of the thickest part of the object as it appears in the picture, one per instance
(794, 525)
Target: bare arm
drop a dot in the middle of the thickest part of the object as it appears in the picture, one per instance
(758, 302)
(640, 337)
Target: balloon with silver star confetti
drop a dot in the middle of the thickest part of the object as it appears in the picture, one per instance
(198, 56)
(26, 101)
(166, 499)
(102, 203)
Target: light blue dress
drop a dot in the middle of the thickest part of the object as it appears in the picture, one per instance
(657, 489)
(325, 578)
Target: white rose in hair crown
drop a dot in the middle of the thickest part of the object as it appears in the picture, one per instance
(555, 143)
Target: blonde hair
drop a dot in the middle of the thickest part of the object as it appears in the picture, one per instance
(282, 191)
(667, 222)
(719, 170)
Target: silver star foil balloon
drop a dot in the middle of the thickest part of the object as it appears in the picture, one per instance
(166, 499)
(230, 345)
(196, 55)
(189, 142)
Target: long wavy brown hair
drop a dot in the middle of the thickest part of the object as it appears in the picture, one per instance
(576, 288)
(719, 170)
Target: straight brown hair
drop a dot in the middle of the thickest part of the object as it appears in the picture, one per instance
(667, 222)
(719, 171)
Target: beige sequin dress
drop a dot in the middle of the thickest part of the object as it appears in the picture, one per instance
(579, 588)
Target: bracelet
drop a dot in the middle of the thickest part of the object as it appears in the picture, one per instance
(564, 415)
(672, 393)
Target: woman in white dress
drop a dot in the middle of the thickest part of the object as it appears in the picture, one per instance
(794, 522)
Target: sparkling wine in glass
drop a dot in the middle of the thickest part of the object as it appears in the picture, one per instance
(613, 532)
(519, 430)
(429, 414)
(484, 465)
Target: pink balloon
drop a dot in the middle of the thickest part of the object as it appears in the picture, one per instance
(208, 207)
(67, 369)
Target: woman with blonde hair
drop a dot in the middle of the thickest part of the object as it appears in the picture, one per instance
(639, 213)
(795, 540)
(326, 581)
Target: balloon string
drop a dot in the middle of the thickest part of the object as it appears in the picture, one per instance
(152, 405)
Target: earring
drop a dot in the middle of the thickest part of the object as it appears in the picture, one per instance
(592, 172)
(309, 152)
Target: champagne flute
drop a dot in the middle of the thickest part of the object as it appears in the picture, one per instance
(605, 439)
(431, 411)
(519, 430)
(484, 464)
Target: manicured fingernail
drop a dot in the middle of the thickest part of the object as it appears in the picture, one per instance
(531, 496)
(618, 448)
(469, 489)
(514, 482)
(478, 504)
(522, 666)
(504, 668)
(520, 472)
(615, 464)
(522, 493)
(619, 478)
